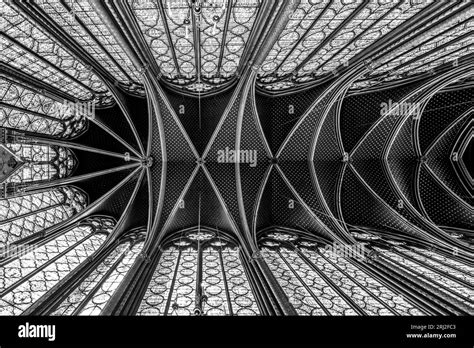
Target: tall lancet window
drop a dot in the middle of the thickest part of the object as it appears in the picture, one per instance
(320, 279)
(26, 215)
(30, 49)
(86, 27)
(452, 278)
(38, 162)
(29, 275)
(199, 273)
(92, 294)
(24, 109)
(223, 27)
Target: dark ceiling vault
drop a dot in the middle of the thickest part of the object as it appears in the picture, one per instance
(238, 138)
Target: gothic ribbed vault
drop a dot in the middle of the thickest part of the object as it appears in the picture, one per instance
(231, 157)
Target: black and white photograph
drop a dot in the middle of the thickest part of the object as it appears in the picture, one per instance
(236, 171)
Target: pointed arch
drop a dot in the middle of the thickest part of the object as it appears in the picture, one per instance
(199, 272)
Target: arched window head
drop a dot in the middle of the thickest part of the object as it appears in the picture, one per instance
(38, 162)
(199, 273)
(224, 28)
(24, 216)
(92, 294)
(329, 279)
(29, 275)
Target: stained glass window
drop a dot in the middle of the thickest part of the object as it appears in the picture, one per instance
(456, 265)
(199, 274)
(26, 48)
(321, 280)
(24, 109)
(26, 279)
(40, 162)
(220, 42)
(83, 24)
(92, 295)
(452, 281)
(430, 50)
(58, 52)
(24, 215)
(444, 38)
(322, 36)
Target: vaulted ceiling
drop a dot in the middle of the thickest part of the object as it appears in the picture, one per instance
(135, 109)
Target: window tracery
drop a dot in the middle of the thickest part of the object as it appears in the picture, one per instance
(92, 295)
(29, 277)
(40, 162)
(28, 49)
(450, 281)
(24, 215)
(23, 109)
(221, 44)
(202, 274)
(322, 280)
(322, 36)
(84, 25)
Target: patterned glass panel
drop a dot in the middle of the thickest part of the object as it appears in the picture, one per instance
(358, 294)
(302, 298)
(224, 286)
(445, 260)
(213, 283)
(83, 24)
(406, 53)
(220, 49)
(298, 45)
(153, 28)
(447, 266)
(432, 28)
(156, 296)
(443, 39)
(315, 284)
(241, 23)
(324, 281)
(24, 109)
(101, 283)
(453, 288)
(22, 216)
(32, 51)
(14, 271)
(42, 163)
(301, 35)
(449, 54)
(184, 291)
(108, 287)
(379, 291)
(240, 292)
(32, 275)
(76, 298)
(182, 35)
(377, 19)
(321, 36)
